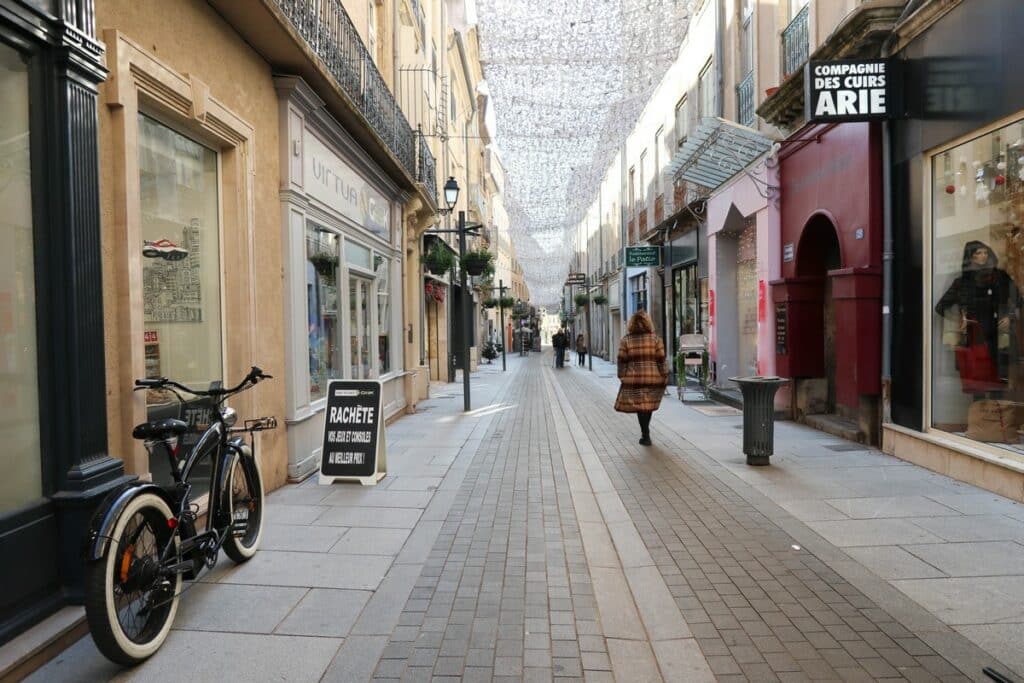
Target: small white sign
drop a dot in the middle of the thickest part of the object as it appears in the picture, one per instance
(787, 252)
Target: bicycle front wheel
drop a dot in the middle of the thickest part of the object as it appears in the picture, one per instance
(246, 500)
(129, 605)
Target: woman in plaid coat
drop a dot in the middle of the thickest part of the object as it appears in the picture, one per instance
(642, 371)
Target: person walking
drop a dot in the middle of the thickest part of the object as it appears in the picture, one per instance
(581, 350)
(559, 342)
(642, 371)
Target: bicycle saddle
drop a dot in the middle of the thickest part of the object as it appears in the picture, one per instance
(159, 429)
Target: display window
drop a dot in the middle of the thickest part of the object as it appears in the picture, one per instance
(350, 300)
(181, 274)
(383, 268)
(22, 482)
(322, 248)
(977, 266)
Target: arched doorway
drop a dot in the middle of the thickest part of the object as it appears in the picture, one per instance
(817, 254)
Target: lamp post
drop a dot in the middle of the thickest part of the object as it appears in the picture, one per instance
(451, 197)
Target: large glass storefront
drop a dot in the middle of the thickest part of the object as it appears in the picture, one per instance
(977, 360)
(181, 274)
(365, 322)
(22, 482)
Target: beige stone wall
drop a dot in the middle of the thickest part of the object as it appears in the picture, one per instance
(230, 80)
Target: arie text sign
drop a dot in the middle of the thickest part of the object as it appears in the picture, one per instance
(850, 90)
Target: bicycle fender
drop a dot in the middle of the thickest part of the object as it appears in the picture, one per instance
(102, 525)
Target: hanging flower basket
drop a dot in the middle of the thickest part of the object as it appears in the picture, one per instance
(600, 299)
(479, 262)
(490, 303)
(506, 302)
(438, 259)
(581, 300)
(325, 264)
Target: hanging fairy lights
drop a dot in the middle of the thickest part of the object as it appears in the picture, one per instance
(568, 80)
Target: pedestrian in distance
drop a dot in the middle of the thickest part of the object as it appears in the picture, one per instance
(642, 371)
(558, 341)
(581, 350)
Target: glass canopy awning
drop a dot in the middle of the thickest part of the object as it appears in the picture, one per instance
(716, 151)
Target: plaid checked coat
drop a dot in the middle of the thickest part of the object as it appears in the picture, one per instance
(643, 373)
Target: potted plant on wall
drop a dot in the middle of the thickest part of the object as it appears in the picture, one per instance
(581, 300)
(600, 299)
(478, 262)
(438, 259)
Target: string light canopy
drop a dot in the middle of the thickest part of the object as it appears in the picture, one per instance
(568, 80)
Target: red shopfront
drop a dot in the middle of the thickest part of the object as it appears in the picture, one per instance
(828, 300)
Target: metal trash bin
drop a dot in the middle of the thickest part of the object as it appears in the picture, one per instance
(758, 416)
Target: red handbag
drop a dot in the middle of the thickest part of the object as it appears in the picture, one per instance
(978, 371)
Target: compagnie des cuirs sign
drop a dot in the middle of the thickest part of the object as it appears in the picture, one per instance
(850, 90)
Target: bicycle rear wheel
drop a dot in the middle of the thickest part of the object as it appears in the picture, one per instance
(128, 605)
(246, 500)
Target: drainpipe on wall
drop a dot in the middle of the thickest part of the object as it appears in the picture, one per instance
(719, 51)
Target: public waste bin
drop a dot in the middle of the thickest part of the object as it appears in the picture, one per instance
(758, 416)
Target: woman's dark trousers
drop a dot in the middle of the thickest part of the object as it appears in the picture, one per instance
(645, 423)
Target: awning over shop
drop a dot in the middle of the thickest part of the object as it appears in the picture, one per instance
(716, 151)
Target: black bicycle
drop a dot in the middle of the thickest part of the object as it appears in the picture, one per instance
(143, 541)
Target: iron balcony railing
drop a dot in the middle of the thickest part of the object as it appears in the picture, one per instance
(795, 44)
(426, 169)
(745, 100)
(330, 34)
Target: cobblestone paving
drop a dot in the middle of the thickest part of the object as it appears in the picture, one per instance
(761, 609)
(505, 593)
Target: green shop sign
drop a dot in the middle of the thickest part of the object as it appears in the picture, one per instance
(641, 257)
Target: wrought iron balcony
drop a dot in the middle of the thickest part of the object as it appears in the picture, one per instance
(745, 100)
(330, 34)
(795, 44)
(426, 171)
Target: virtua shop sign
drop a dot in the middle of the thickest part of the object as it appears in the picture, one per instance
(850, 90)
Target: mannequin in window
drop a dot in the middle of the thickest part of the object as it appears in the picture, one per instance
(987, 300)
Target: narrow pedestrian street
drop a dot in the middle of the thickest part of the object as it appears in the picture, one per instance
(533, 538)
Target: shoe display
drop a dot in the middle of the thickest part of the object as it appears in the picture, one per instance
(165, 249)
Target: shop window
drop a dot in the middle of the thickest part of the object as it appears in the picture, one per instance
(359, 327)
(181, 273)
(22, 482)
(383, 314)
(322, 306)
(977, 332)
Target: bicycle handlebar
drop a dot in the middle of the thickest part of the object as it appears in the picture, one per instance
(255, 376)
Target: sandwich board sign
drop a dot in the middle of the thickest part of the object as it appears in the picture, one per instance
(353, 445)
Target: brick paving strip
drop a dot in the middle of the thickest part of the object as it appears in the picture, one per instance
(761, 606)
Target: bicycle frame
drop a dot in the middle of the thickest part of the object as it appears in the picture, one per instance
(213, 443)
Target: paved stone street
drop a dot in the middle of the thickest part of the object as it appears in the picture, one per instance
(535, 539)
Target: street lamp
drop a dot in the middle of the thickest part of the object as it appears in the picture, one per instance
(451, 197)
(451, 193)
